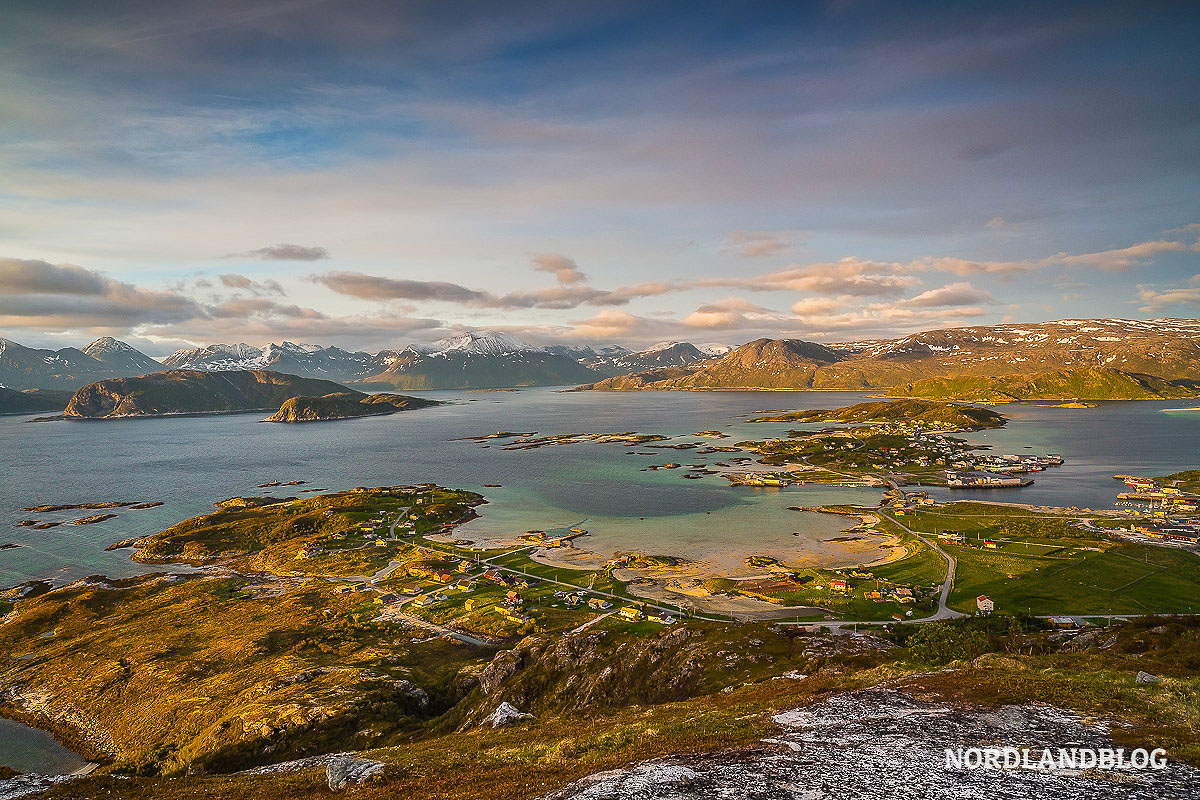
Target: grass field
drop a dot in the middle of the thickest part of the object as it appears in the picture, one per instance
(1044, 566)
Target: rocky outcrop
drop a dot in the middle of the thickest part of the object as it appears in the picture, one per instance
(503, 666)
(505, 714)
(345, 770)
(885, 743)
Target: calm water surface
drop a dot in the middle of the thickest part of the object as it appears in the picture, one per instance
(191, 462)
(27, 749)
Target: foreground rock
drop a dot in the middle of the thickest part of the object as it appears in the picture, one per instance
(880, 743)
(345, 771)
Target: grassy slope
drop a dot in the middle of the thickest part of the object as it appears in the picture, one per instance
(1046, 567)
(1078, 384)
(532, 758)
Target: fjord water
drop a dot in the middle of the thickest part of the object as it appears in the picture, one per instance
(191, 462)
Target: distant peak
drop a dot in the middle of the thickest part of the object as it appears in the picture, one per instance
(483, 343)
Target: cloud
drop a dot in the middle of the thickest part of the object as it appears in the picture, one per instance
(563, 296)
(731, 313)
(284, 252)
(953, 294)
(564, 269)
(37, 294)
(30, 276)
(756, 244)
(235, 281)
(851, 276)
(1115, 260)
(374, 287)
(1157, 301)
(612, 323)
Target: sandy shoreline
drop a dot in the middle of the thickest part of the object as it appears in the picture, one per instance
(683, 584)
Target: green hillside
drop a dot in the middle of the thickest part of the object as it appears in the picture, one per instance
(1077, 384)
(919, 413)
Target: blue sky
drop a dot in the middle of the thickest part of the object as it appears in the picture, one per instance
(374, 173)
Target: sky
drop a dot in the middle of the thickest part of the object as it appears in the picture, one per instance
(369, 174)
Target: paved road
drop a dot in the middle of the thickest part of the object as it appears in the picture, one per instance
(393, 613)
(944, 611)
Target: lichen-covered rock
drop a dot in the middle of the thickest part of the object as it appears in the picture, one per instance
(505, 714)
(503, 666)
(346, 771)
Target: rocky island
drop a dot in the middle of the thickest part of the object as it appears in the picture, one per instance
(345, 405)
(174, 392)
(923, 414)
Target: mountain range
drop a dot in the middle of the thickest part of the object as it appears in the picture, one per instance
(1063, 359)
(1074, 359)
(69, 368)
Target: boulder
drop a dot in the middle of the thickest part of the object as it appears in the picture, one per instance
(504, 714)
(344, 770)
(1146, 677)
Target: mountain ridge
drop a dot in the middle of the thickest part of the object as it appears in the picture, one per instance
(1103, 355)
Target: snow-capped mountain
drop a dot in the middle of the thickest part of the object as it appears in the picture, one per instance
(664, 354)
(120, 356)
(478, 360)
(69, 368)
(306, 360)
(483, 343)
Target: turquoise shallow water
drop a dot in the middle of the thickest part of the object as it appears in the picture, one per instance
(191, 462)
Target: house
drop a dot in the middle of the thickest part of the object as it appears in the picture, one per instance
(839, 585)
(990, 544)
(984, 604)
(510, 615)
(387, 599)
(311, 550)
(630, 613)
(1062, 622)
(598, 604)
(903, 591)
(514, 599)
(661, 620)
